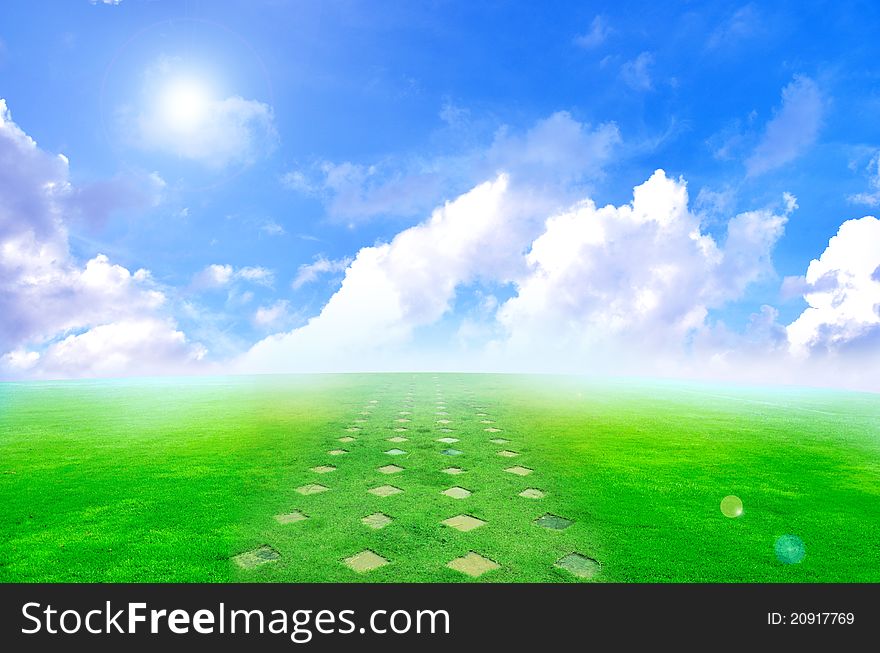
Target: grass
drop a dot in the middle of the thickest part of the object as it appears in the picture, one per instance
(166, 479)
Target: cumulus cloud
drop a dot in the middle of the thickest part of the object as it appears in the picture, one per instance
(639, 276)
(309, 272)
(391, 289)
(595, 36)
(556, 151)
(139, 346)
(46, 296)
(640, 273)
(842, 290)
(792, 130)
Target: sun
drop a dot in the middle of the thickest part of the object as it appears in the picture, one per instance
(184, 104)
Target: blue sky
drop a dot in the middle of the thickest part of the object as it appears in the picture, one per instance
(273, 168)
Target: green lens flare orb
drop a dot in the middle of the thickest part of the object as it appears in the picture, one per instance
(790, 549)
(731, 506)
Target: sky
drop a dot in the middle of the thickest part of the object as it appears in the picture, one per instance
(680, 190)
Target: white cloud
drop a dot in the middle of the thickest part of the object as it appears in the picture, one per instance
(218, 275)
(391, 289)
(309, 272)
(134, 346)
(596, 36)
(871, 197)
(97, 201)
(793, 128)
(556, 152)
(272, 228)
(214, 276)
(179, 116)
(272, 316)
(47, 297)
(257, 274)
(234, 131)
(298, 181)
(842, 289)
(355, 192)
(641, 276)
(636, 73)
(745, 23)
(106, 2)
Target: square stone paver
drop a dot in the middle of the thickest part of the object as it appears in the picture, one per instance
(395, 452)
(373, 401)
(443, 421)
(365, 561)
(398, 439)
(447, 440)
(532, 493)
(337, 452)
(441, 412)
(579, 565)
(446, 430)
(473, 564)
(404, 412)
(385, 490)
(457, 492)
(353, 429)
(453, 470)
(400, 429)
(323, 469)
(390, 469)
(519, 471)
(257, 557)
(463, 523)
(403, 420)
(492, 429)
(499, 441)
(347, 439)
(482, 415)
(377, 520)
(553, 522)
(291, 517)
(506, 453)
(451, 452)
(486, 421)
(312, 488)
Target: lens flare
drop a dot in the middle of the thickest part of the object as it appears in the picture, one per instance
(790, 549)
(184, 104)
(731, 506)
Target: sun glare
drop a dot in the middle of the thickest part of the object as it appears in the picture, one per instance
(184, 104)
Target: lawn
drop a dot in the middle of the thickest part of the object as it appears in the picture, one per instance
(169, 479)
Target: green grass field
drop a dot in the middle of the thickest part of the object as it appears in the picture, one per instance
(168, 479)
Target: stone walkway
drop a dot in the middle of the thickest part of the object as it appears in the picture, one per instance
(473, 564)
